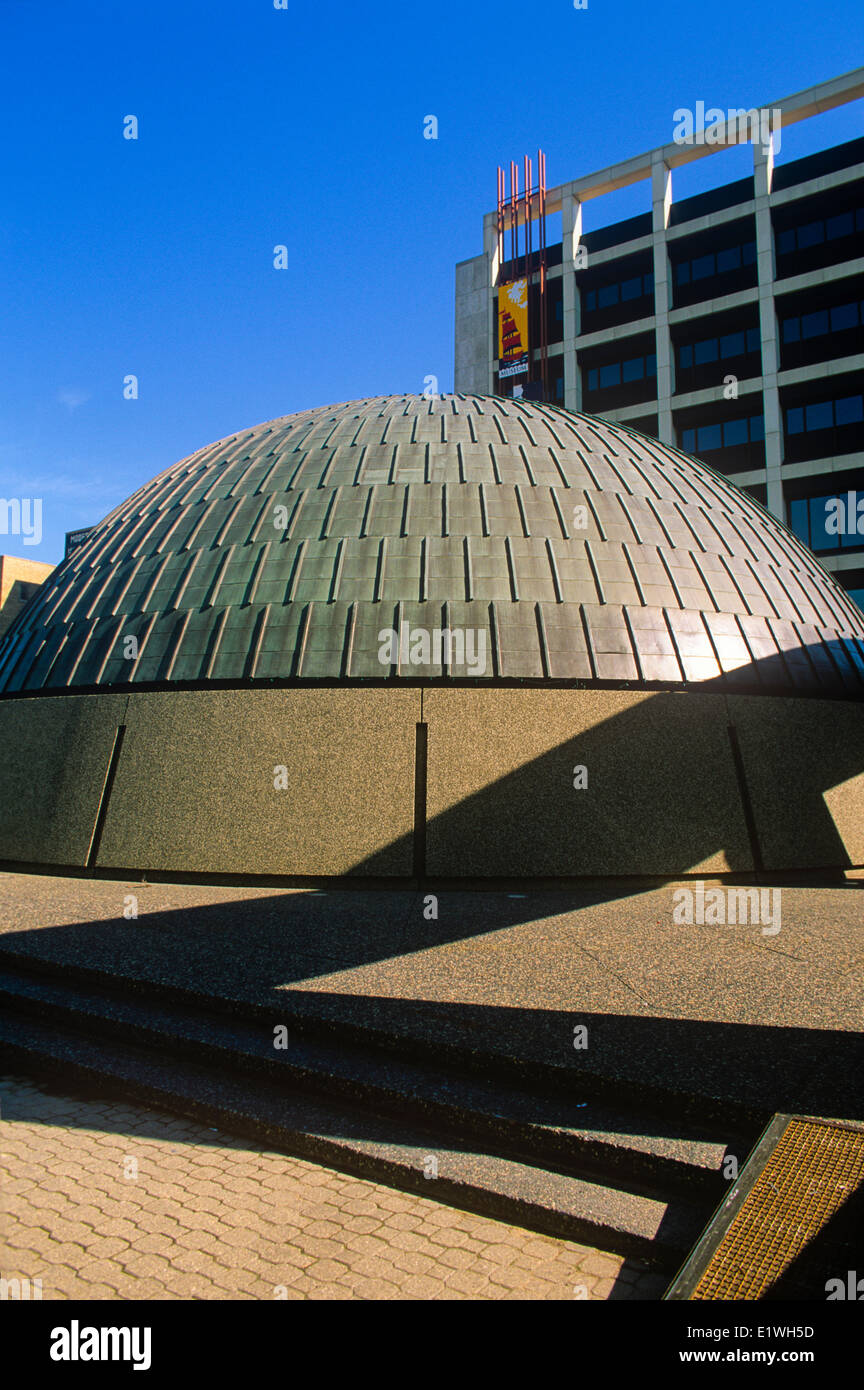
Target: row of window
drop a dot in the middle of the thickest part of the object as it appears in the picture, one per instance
(619, 292)
(710, 349)
(823, 524)
(715, 263)
(824, 415)
(823, 321)
(824, 229)
(614, 373)
(705, 438)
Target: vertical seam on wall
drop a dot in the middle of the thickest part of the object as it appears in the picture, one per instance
(420, 770)
(102, 812)
(744, 792)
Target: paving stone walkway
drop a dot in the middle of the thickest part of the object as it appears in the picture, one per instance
(105, 1200)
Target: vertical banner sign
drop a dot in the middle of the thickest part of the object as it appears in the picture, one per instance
(513, 329)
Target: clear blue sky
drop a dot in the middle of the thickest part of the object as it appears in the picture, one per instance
(305, 127)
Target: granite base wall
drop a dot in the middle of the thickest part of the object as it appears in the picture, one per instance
(195, 785)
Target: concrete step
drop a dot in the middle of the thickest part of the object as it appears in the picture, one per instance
(638, 1150)
(425, 1035)
(327, 1129)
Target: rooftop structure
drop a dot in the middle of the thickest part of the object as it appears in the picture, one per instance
(760, 281)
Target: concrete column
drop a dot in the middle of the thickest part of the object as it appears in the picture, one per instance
(571, 232)
(490, 250)
(763, 172)
(473, 347)
(661, 203)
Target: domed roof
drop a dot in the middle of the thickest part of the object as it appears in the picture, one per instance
(549, 545)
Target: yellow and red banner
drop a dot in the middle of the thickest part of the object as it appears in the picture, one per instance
(512, 328)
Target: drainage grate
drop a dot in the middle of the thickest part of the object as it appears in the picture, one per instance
(793, 1221)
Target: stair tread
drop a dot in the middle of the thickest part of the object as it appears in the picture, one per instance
(345, 1136)
(249, 1042)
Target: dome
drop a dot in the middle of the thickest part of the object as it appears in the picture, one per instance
(410, 539)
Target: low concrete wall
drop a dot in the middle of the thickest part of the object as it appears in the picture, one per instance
(804, 764)
(194, 788)
(661, 794)
(54, 757)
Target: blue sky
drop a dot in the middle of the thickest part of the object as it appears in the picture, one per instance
(304, 127)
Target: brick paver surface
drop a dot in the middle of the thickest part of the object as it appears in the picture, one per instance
(106, 1200)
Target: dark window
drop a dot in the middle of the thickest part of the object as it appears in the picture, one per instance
(815, 233)
(818, 416)
(844, 225)
(791, 330)
(607, 295)
(688, 440)
(812, 325)
(621, 373)
(810, 235)
(848, 411)
(827, 522)
(709, 437)
(632, 289)
(844, 316)
(706, 351)
(701, 267)
(732, 345)
(729, 259)
(633, 369)
(685, 355)
(734, 432)
(752, 339)
(757, 428)
(798, 520)
(822, 415)
(820, 537)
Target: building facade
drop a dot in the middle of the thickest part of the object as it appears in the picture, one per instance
(729, 324)
(19, 580)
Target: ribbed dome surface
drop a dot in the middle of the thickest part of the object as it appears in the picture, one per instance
(582, 550)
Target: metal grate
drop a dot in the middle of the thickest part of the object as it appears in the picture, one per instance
(797, 1225)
